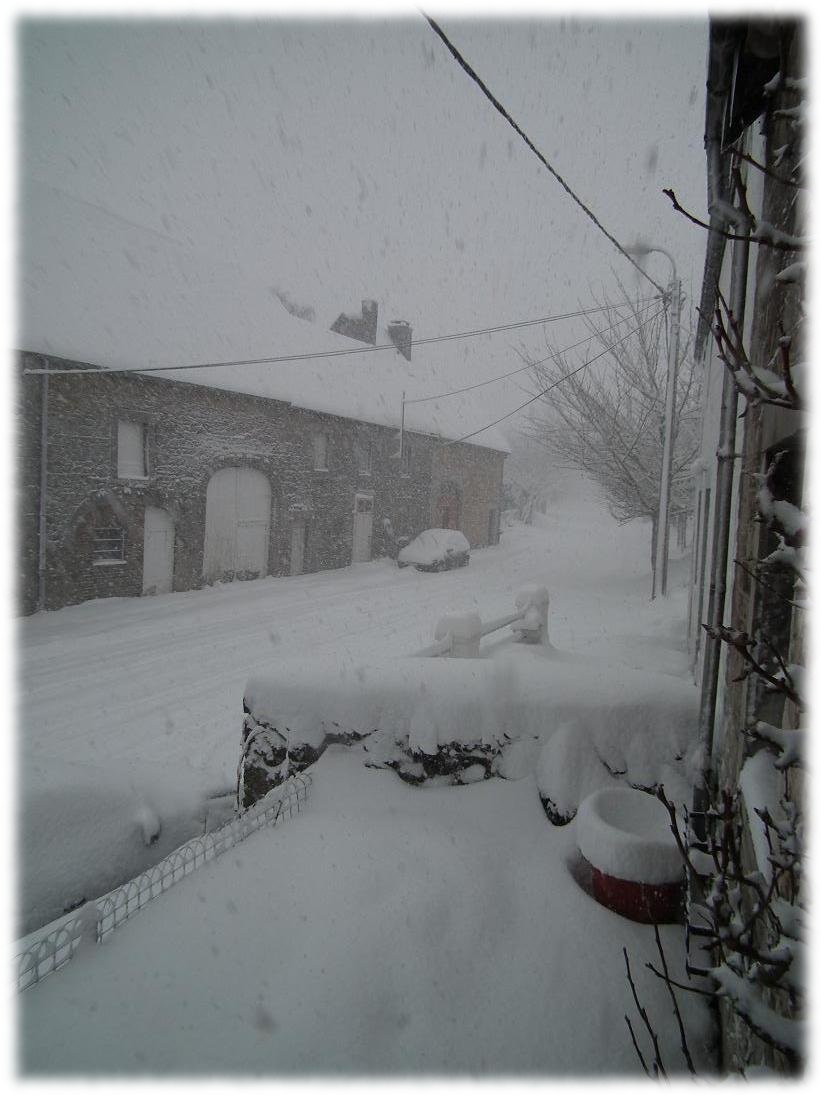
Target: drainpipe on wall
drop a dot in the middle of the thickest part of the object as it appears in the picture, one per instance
(721, 518)
(42, 528)
(720, 69)
(402, 433)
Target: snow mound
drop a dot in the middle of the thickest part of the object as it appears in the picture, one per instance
(638, 744)
(568, 770)
(516, 759)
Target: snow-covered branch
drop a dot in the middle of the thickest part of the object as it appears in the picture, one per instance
(772, 384)
(751, 918)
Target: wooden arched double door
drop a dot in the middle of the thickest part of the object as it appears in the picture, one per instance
(237, 524)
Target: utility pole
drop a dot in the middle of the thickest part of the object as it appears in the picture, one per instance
(663, 525)
(662, 547)
(42, 526)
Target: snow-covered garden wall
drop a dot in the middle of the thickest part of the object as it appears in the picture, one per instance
(462, 719)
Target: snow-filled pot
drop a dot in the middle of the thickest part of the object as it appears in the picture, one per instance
(637, 868)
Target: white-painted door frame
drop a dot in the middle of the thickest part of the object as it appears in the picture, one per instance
(362, 527)
(158, 551)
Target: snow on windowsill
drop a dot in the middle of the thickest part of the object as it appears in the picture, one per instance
(108, 562)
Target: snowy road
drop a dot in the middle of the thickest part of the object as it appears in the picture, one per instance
(128, 704)
(160, 680)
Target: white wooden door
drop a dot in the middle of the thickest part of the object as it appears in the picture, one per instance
(362, 528)
(237, 523)
(158, 551)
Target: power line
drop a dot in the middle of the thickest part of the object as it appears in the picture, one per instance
(530, 365)
(322, 353)
(556, 383)
(486, 90)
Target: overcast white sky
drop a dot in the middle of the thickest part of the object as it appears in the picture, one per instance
(347, 159)
(337, 160)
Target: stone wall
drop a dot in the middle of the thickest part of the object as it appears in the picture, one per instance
(764, 607)
(192, 432)
(27, 495)
(476, 474)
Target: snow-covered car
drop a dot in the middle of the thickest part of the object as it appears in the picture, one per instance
(436, 549)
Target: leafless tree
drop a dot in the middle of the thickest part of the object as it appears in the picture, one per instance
(528, 479)
(607, 419)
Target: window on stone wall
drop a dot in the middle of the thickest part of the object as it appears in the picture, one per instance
(320, 452)
(108, 545)
(132, 450)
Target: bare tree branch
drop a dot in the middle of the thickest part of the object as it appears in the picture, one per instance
(762, 237)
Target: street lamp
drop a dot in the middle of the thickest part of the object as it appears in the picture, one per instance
(663, 520)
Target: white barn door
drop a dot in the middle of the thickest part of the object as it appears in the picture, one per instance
(362, 528)
(158, 551)
(237, 524)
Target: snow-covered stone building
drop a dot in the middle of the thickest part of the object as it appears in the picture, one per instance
(136, 481)
(750, 484)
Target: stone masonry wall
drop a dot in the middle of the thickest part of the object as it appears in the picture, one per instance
(27, 495)
(754, 606)
(477, 473)
(192, 432)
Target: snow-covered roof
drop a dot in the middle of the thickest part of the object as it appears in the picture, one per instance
(99, 288)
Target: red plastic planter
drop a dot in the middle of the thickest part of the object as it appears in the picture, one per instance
(636, 868)
(659, 904)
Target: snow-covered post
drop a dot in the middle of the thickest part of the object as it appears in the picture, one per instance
(465, 634)
(88, 920)
(533, 602)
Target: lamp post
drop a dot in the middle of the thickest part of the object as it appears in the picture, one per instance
(663, 520)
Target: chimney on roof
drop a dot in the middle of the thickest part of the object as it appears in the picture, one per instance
(400, 333)
(361, 327)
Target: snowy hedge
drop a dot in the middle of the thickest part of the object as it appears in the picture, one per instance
(466, 719)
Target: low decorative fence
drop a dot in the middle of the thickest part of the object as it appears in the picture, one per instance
(459, 636)
(55, 944)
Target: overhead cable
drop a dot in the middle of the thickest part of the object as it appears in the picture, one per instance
(486, 90)
(283, 358)
(561, 380)
(530, 364)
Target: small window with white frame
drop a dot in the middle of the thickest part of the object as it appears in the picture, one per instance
(132, 450)
(320, 452)
(108, 545)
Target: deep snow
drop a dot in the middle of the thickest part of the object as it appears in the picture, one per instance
(125, 706)
(387, 929)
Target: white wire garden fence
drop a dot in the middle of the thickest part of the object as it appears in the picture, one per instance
(53, 946)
